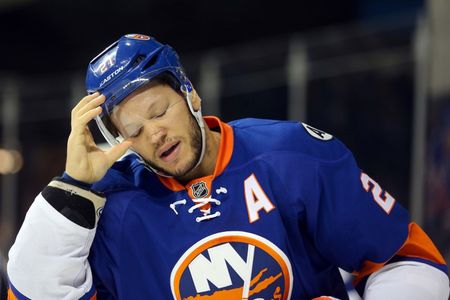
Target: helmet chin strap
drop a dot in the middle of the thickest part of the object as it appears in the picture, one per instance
(199, 118)
(201, 124)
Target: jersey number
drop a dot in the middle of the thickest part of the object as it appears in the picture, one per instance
(387, 202)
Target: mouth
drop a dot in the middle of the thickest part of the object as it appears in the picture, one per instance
(168, 152)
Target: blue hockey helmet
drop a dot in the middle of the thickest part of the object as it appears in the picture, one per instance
(128, 64)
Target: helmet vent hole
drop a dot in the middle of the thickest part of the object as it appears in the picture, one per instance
(151, 62)
(138, 60)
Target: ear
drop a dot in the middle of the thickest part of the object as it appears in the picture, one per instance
(196, 101)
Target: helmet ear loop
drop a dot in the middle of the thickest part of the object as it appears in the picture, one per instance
(112, 141)
(187, 92)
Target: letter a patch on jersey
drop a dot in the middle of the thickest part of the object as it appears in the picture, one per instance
(256, 198)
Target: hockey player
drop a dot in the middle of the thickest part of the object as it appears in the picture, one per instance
(201, 209)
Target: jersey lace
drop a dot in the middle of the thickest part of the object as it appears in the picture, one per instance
(202, 202)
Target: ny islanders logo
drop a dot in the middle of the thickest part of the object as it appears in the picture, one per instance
(232, 265)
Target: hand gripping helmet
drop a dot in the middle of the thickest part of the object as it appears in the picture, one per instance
(128, 64)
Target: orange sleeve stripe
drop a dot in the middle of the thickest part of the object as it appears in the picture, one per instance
(368, 268)
(11, 295)
(94, 297)
(420, 245)
(417, 245)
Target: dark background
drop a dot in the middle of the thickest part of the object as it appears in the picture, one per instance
(54, 35)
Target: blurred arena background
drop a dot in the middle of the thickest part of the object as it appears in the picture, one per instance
(376, 74)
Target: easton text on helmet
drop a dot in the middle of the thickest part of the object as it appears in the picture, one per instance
(112, 75)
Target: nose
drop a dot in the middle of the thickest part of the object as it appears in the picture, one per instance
(155, 133)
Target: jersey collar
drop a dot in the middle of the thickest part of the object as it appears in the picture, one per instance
(223, 158)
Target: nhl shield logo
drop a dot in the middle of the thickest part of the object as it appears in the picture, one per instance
(199, 189)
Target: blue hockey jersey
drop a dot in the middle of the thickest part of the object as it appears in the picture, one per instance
(286, 206)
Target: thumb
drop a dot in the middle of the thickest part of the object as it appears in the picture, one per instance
(117, 151)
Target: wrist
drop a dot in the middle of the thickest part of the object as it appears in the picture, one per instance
(69, 179)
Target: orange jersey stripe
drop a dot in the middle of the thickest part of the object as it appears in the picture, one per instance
(417, 245)
(11, 295)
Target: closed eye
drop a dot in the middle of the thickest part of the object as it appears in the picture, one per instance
(161, 114)
(136, 133)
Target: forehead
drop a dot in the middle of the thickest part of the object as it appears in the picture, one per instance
(146, 96)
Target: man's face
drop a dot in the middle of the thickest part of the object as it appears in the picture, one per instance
(163, 131)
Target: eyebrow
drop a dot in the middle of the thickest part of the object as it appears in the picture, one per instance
(151, 106)
(149, 109)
